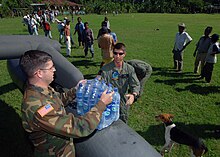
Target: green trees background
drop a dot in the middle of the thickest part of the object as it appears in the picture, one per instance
(127, 6)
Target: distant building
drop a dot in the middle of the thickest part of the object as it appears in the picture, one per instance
(62, 5)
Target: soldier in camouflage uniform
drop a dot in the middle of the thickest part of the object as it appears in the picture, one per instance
(122, 75)
(50, 129)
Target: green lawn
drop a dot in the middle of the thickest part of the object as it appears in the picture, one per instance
(148, 37)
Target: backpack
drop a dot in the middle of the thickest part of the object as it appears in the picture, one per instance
(143, 71)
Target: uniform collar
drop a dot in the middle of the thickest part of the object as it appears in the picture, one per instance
(45, 91)
(116, 68)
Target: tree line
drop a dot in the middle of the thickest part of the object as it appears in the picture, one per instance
(128, 6)
(152, 6)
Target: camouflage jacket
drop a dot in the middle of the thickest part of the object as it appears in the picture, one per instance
(50, 129)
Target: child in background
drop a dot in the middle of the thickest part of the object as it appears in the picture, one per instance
(210, 59)
(68, 40)
(88, 39)
(201, 49)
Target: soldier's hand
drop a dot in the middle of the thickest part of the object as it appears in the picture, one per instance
(130, 99)
(106, 98)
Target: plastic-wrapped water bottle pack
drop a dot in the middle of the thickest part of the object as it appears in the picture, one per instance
(88, 95)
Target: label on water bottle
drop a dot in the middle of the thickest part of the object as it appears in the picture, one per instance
(80, 108)
(107, 113)
(114, 108)
(85, 108)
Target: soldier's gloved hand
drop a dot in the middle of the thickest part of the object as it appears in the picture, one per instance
(106, 98)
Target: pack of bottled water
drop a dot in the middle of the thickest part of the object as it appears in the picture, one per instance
(88, 95)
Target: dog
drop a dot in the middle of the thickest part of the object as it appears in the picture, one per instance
(174, 135)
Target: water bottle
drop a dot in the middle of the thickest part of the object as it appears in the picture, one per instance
(102, 88)
(108, 111)
(96, 81)
(79, 98)
(115, 105)
(108, 116)
(89, 95)
(101, 123)
(110, 88)
(86, 106)
(93, 100)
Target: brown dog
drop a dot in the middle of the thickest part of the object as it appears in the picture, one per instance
(175, 135)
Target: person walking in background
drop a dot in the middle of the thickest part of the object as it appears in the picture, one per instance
(122, 75)
(88, 40)
(114, 36)
(211, 59)
(47, 28)
(106, 43)
(51, 130)
(79, 29)
(26, 21)
(68, 40)
(103, 26)
(60, 27)
(201, 49)
(182, 40)
(33, 24)
(107, 22)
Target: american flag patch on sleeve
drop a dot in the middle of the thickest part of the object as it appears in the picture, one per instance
(45, 110)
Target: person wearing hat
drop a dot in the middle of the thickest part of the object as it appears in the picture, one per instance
(201, 49)
(211, 59)
(182, 40)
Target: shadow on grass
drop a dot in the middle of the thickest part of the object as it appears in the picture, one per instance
(169, 72)
(155, 134)
(181, 80)
(79, 57)
(184, 77)
(13, 138)
(194, 88)
(7, 88)
(217, 103)
(85, 62)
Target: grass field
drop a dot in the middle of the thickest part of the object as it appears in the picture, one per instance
(196, 105)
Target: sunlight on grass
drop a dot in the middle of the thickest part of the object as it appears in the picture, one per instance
(148, 37)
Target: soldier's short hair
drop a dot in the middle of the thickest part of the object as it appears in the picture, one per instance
(120, 46)
(33, 60)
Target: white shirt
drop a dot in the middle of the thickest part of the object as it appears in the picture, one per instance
(181, 40)
(212, 58)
